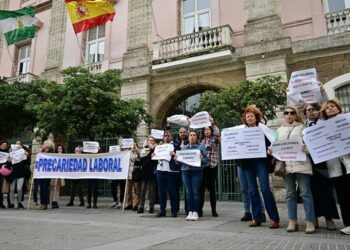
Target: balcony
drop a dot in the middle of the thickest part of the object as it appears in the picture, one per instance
(200, 43)
(338, 22)
(22, 78)
(95, 67)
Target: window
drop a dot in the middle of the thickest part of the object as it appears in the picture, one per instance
(343, 95)
(196, 15)
(336, 5)
(24, 59)
(95, 48)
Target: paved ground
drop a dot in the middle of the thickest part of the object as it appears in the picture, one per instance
(105, 228)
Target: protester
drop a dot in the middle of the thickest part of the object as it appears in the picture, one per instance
(148, 177)
(297, 172)
(339, 169)
(167, 177)
(48, 147)
(114, 185)
(92, 185)
(77, 185)
(321, 184)
(133, 186)
(17, 181)
(56, 184)
(254, 168)
(192, 177)
(4, 147)
(210, 141)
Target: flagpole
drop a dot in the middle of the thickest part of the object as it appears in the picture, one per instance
(9, 54)
(82, 56)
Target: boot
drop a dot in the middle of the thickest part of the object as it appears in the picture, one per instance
(310, 227)
(292, 226)
(247, 216)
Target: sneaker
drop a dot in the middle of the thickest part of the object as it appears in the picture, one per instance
(330, 225)
(115, 205)
(247, 216)
(310, 227)
(119, 205)
(194, 216)
(189, 216)
(345, 230)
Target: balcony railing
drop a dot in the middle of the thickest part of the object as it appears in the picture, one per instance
(338, 22)
(200, 42)
(22, 78)
(94, 67)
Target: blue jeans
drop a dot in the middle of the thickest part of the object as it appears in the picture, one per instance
(243, 186)
(168, 184)
(259, 169)
(192, 180)
(305, 193)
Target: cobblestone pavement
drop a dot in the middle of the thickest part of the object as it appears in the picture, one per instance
(106, 228)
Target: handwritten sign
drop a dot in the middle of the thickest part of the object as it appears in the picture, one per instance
(114, 148)
(18, 156)
(157, 134)
(91, 147)
(242, 143)
(303, 87)
(329, 139)
(179, 119)
(189, 157)
(288, 150)
(128, 143)
(200, 120)
(3, 157)
(162, 152)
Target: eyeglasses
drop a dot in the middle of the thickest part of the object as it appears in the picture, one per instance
(289, 113)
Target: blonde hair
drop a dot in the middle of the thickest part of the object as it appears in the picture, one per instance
(324, 106)
(297, 115)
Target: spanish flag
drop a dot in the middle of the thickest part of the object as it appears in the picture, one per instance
(86, 14)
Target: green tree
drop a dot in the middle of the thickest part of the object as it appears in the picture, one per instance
(227, 105)
(15, 120)
(86, 106)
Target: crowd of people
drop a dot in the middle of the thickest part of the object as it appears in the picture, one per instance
(162, 179)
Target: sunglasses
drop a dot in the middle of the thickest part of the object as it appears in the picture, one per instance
(289, 113)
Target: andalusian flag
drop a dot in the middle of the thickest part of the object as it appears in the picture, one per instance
(86, 14)
(18, 25)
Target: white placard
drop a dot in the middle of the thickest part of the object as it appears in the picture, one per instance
(162, 152)
(179, 119)
(128, 143)
(328, 139)
(242, 143)
(18, 156)
(200, 120)
(157, 134)
(114, 148)
(15, 147)
(303, 87)
(288, 150)
(111, 166)
(189, 157)
(3, 157)
(270, 133)
(91, 147)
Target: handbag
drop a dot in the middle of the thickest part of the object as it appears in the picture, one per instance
(280, 166)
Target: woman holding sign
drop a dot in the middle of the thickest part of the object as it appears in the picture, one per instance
(296, 172)
(192, 176)
(254, 168)
(339, 169)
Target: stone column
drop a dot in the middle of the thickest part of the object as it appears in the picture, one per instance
(264, 35)
(55, 48)
(136, 73)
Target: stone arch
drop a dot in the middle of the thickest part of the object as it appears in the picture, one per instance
(336, 83)
(174, 94)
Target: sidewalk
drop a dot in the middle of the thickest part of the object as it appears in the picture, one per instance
(106, 228)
